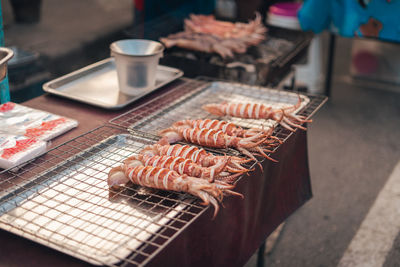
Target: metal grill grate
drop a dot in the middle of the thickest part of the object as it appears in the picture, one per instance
(162, 113)
(62, 200)
(175, 95)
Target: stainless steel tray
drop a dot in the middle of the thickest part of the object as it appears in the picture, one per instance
(97, 84)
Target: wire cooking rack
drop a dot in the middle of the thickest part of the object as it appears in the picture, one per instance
(162, 112)
(175, 95)
(62, 200)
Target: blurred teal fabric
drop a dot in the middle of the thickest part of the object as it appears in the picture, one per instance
(4, 87)
(375, 18)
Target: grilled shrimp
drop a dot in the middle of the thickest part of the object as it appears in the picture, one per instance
(197, 155)
(162, 178)
(230, 129)
(284, 116)
(216, 139)
(182, 166)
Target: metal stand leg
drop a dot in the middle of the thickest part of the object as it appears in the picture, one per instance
(331, 52)
(260, 255)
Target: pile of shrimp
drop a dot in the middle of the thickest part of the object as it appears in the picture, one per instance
(181, 168)
(193, 170)
(206, 34)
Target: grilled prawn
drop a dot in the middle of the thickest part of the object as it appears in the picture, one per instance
(182, 166)
(216, 139)
(229, 128)
(162, 178)
(284, 116)
(197, 155)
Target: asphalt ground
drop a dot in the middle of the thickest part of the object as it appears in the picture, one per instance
(354, 148)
